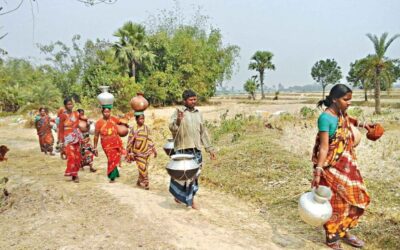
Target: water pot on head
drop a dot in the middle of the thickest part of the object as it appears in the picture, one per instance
(139, 103)
(314, 207)
(105, 97)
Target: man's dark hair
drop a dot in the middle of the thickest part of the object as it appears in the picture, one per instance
(188, 93)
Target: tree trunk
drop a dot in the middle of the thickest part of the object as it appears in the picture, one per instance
(323, 91)
(262, 84)
(365, 91)
(132, 70)
(254, 96)
(377, 93)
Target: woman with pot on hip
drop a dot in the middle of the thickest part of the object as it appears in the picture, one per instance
(335, 166)
(111, 143)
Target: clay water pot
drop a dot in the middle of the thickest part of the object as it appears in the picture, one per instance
(122, 130)
(356, 134)
(376, 132)
(105, 97)
(182, 167)
(139, 103)
(314, 207)
(169, 147)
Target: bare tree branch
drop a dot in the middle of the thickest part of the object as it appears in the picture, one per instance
(19, 5)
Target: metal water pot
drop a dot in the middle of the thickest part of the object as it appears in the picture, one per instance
(92, 128)
(105, 98)
(169, 147)
(314, 207)
(356, 135)
(182, 167)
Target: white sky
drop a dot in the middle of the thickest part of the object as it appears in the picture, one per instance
(298, 32)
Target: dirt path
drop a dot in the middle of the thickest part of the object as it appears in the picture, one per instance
(49, 212)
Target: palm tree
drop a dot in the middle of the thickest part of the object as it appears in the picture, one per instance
(380, 63)
(261, 61)
(132, 49)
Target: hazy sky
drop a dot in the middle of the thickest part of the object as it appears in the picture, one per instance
(297, 32)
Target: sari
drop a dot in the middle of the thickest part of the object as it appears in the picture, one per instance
(43, 127)
(139, 149)
(340, 172)
(72, 137)
(111, 144)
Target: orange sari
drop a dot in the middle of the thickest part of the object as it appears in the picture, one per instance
(46, 139)
(111, 144)
(71, 137)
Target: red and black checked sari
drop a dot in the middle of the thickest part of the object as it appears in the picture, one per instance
(341, 174)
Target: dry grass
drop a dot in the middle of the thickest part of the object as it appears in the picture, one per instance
(271, 168)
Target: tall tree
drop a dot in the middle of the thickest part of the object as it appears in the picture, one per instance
(381, 64)
(132, 49)
(326, 72)
(261, 61)
(360, 75)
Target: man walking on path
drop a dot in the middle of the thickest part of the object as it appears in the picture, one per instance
(188, 130)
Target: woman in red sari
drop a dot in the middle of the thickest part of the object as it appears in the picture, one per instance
(335, 166)
(70, 138)
(43, 127)
(111, 143)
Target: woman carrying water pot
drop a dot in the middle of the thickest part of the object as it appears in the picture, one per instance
(335, 166)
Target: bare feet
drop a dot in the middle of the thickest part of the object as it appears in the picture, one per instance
(93, 170)
(352, 240)
(75, 179)
(112, 181)
(195, 206)
(177, 201)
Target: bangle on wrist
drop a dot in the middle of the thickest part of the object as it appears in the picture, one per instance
(319, 168)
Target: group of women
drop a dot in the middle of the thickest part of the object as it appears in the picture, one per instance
(70, 138)
(334, 157)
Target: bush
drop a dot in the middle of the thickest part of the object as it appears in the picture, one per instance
(307, 112)
(355, 112)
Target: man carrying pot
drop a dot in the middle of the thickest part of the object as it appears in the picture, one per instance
(188, 130)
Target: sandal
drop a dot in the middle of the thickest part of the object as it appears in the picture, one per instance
(335, 245)
(352, 240)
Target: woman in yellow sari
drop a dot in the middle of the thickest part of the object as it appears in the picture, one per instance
(139, 148)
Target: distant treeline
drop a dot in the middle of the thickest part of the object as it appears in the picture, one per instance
(161, 60)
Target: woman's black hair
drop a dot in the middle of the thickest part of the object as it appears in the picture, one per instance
(80, 110)
(66, 100)
(337, 91)
(137, 116)
(42, 108)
